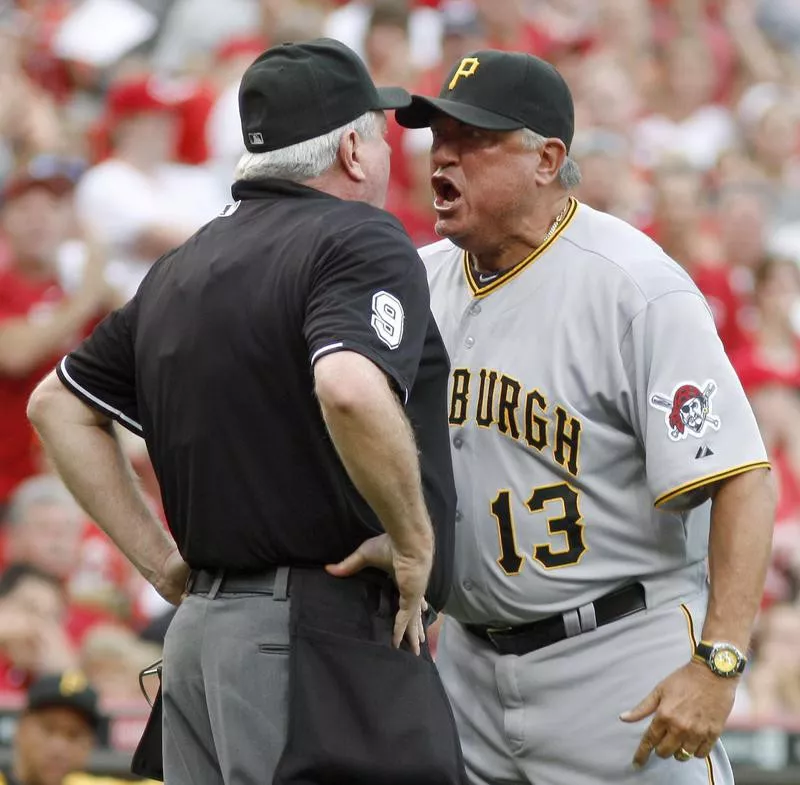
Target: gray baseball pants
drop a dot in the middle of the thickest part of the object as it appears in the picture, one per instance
(225, 689)
(551, 717)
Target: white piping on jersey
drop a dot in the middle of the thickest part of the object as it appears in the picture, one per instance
(96, 400)
(331, 347)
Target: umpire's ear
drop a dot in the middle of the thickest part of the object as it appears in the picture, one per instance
(349, 156)
(552, 155)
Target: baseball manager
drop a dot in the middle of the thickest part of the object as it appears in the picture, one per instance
(607, 462)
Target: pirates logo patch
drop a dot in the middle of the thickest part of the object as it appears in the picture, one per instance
(688, 411)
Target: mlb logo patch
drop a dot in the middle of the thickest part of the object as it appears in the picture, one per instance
(255, 138)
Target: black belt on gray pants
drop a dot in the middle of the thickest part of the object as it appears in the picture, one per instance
(525, 638)
(273, 581)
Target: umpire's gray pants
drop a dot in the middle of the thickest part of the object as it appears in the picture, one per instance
(225, 689)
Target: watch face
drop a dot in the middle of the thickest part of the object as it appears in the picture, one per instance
(725, 661)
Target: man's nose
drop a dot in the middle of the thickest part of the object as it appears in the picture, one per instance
(444, 153)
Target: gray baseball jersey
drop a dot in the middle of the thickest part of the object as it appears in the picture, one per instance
(591, 407)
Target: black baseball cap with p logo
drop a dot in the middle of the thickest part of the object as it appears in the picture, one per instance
(500, 91)
(295, 92)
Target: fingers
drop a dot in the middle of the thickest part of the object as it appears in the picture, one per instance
(355, 562)
(704, 749)
(405, 626)
(650, 739)
(655, 732)
(644, 709)
(670, 744)
(415, 635)
(690, 708)
(408, 624)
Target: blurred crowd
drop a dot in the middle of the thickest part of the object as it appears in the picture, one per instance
(118, 137)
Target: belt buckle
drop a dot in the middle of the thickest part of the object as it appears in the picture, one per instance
(492, 631)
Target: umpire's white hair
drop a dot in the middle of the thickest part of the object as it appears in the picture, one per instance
(569, 175)
(304, 160)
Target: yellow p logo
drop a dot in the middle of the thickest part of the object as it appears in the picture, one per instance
(467, 67)
(72, 682)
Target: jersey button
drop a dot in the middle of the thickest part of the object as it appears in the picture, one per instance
(469, 342)
(468, 585)
(458, 442)
(476, 309)
(459, 516)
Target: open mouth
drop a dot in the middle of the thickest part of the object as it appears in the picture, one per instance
(445, 194)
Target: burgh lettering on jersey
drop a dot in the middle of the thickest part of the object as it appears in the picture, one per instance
(497, 400)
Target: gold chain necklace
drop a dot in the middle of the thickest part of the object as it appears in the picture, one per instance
(559, 218)
(486, 277)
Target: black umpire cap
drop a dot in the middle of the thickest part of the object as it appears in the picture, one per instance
(500, 91)
(295, 92)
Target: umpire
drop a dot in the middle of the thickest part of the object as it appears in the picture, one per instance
(288, 378)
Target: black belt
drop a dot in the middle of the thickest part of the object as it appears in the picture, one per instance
(525, 638)
(231, 582)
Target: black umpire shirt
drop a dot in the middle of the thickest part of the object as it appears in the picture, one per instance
(212, 363)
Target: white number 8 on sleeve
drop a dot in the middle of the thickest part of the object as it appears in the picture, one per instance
(387, 318)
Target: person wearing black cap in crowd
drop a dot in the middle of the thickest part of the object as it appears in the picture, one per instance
(602, 449)
(290, 382)
(56, 732)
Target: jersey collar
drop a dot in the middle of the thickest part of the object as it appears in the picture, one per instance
(273, 188)
(481, 290)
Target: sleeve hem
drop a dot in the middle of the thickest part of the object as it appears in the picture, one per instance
(92, 400)
(346, 346)
(707, 480)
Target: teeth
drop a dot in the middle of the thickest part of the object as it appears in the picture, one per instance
(443, 204)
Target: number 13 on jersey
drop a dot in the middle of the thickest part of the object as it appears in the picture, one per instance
(567, 527)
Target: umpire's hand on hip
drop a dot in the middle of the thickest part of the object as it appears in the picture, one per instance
(171, 580)
(689, 710)
(411, 572)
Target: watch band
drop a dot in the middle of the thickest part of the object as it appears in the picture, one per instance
(704, 650)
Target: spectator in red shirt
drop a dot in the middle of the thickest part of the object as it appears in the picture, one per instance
(508, 27)
(683, 227)
(32, 637)
(771, 352)
(39, 322)
(387, 47)
(742, 212)
(768, 365)
(387, 55)
(47, 530)
(413, 207)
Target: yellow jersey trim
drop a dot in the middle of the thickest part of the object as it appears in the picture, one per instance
(711, 478)
(482, 291)
(693, 638)
(689, 627)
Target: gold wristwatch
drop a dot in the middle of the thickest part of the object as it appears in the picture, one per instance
(724, 659)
